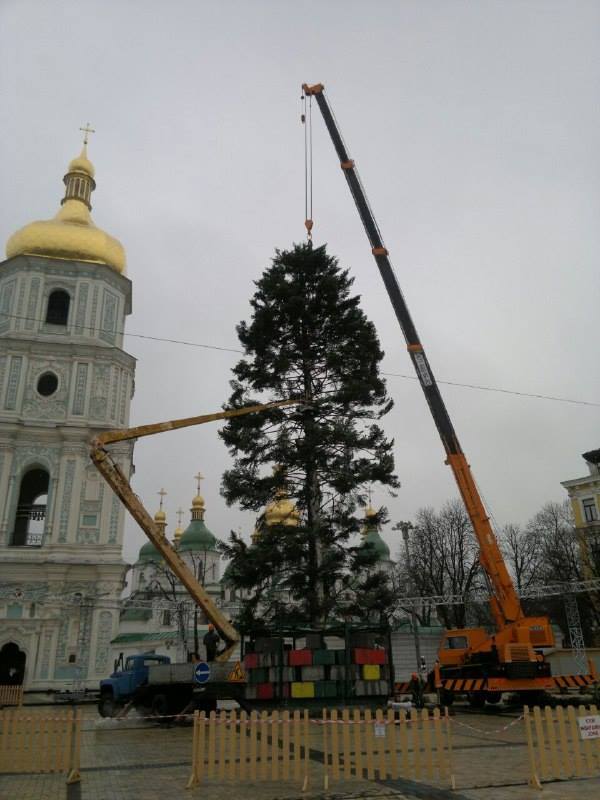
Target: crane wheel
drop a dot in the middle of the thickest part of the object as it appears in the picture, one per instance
(107, 706)
(493, 697)
(477, 699)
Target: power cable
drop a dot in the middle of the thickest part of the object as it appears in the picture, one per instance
(219, 348)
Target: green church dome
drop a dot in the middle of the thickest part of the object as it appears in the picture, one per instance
(372, 537)
(197, 537)
(148, 553)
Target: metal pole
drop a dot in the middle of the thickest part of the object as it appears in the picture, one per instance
(406, 528)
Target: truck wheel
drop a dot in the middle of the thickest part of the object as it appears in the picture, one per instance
(160, 705)
(107, 706)
(208, 705)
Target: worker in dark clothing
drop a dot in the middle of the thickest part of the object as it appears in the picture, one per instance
(416, 686)
(211, 640)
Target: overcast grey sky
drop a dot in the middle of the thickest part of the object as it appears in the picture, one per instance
(475, 127)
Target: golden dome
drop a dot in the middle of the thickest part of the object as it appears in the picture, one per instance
(282, 511)
(198, 502)
(82, 163)
(177, 534)
(160, 516)
(71, 234)
(370, 512)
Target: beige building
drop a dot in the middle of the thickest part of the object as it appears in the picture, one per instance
(584, 494)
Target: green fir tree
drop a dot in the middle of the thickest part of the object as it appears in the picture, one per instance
(308, 338)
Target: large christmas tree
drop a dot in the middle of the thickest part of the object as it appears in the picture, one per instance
(309, 339)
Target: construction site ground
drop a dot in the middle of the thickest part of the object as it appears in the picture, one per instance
(135, 758)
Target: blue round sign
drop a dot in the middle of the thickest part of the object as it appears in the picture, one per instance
(202, 672)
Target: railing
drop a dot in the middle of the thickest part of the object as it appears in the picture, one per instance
(11, 695)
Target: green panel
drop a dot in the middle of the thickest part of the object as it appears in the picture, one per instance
(260, 675)
(321, 657)
(340, 656)
(326, 689)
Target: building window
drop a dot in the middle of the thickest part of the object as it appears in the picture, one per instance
(30, 518)
(590, 512)
(57, 312)
(47, 384)
(166, 618)
(89, 520)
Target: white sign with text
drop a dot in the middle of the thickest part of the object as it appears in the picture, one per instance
(589, 727)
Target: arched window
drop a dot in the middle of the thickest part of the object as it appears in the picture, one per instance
(30, 519)
(57, 312)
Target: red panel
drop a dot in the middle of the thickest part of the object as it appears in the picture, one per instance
(300, 658)
(363, 655)
(264, 691)
(251, 660)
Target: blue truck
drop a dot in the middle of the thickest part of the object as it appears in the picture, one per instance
(154, 686)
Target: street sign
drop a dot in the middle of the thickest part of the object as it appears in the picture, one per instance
(237, 674)
(201, 672)
(379, 730)
(589, 727)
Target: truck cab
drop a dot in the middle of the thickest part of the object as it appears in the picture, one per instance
(121, 686)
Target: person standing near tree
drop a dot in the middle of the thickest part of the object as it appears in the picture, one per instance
(211, 641)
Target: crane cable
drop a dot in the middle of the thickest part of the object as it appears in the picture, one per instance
(306, 119)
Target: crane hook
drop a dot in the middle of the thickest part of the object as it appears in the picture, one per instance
(308, 224)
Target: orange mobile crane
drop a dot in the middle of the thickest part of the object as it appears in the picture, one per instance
(471, 660)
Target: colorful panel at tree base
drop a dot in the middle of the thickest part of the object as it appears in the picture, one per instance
(367, 656)
(371, 672)
(303, 690)
(260, 675)
(325, 689)
(340, 656)
(251, 660)
(265, 691)
(300, 658)
(323, 657)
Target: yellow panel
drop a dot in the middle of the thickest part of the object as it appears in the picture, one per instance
(304, 689)
(371, 672)
(577, 512)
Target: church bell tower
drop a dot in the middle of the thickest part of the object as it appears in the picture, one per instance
(64, 377)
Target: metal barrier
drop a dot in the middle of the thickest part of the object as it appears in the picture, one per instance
(562, 743)
(348, 744)
(250, 747)
(38, 744)
(11, 695)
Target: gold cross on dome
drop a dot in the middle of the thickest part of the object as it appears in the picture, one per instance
(179, 513)
(162, 494)
(199, 477)
(86, 130)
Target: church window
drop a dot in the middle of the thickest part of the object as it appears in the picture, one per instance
(47, 384)
(57, 312)
(30, 516)
(166, 618)
(32, 610)
(89, 520)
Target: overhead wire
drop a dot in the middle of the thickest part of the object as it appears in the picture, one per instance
(238, 351)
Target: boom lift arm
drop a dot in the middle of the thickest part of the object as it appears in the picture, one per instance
(117, 480)
(505, 604)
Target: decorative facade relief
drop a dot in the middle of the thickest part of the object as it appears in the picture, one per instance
(114, 392)
(81, 309)
(100, 388)
(3, 360)
(20, 301)
(14, 377)
(92, 331)
(80, 389)
(123, 402)
(45, 662)
(113, 530)
(66, 502)
(6, 304)
(55, 406)
(103, 642)
(109, 317)
(34, 290)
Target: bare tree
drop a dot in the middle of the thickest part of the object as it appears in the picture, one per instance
(444, 559)
(523, 551)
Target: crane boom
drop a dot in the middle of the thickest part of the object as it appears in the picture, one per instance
(505, 604)
(117, 480)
